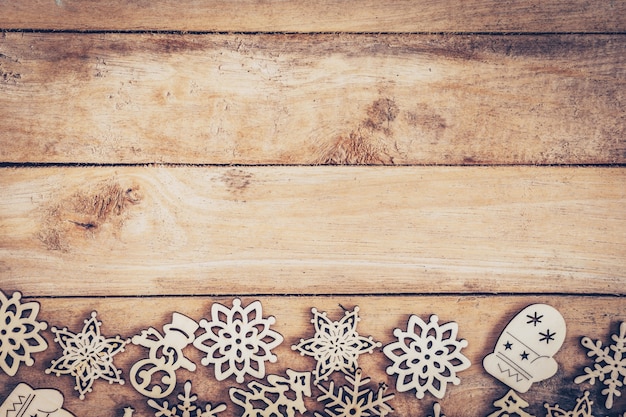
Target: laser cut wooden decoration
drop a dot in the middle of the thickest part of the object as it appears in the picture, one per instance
(25, 401)
(609, 368)
(238, 340)
(280, 397)
(437, 411)
(155, 376)
(186, 406)
(426, 357)
(87, 355)
(19, 332)
(510, 405)
(524, 350)
(354, 399)
(581, 409)
(336, 345)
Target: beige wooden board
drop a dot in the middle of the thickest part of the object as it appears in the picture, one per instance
(267, 230)
(316, 16)
(312, 99)
(480, 320)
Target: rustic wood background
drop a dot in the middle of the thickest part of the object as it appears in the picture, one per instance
(161, 156)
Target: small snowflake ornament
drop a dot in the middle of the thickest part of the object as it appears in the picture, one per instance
(25, 401)
(355, 399)
(19, 333)
(426, 356)
(282, 397)
(524, 351)
(155, 376)
(186, 406)
(87, 356)
(609, 366)
(336, 345)
(238, 340)
(510, 405)
(581, 409)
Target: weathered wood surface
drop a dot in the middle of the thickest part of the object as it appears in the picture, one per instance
(282, 230)
(312, 99)
(316, 16)
(480, 320)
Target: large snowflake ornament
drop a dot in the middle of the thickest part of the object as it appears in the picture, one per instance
(238, 340)
(19, 333)
(186, 406)
(336, 345)
(609, 366)
(355, 399)
(426, 356)
(87, 355)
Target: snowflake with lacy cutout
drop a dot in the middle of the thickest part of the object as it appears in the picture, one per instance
(87, 356)
(336, 345)
(355, 399)
(426, 356)
(186, 407)
(238, 340)
(609, 366)
(19, 333)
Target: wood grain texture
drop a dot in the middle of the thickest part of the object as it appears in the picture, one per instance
(480, 320)
(312, 99)
(329, 230)
(318, 16)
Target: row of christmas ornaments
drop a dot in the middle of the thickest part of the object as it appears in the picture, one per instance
(238, 341)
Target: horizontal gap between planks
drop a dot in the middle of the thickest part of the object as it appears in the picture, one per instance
(209, 165)
(338, 295)
(280, 33)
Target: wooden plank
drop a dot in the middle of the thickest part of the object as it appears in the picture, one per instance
(314, 99)
(318, 16)
(329, 230)
(480, 320)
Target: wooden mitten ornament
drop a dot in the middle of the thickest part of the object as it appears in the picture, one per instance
(155, 376)
(25, 401)
(523, 353)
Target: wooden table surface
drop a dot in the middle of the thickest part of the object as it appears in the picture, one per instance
(458, 158)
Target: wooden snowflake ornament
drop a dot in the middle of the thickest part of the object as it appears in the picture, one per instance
(426, 357)
(354, 399)
(336, 345)
(524, 350)
(238, 340)
(87, 356)
(19, 333)
(282, 397)
(155, 376)
(186, 407)
(25, 401)
(610, 365)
